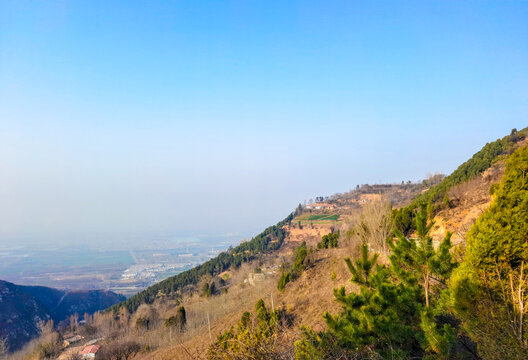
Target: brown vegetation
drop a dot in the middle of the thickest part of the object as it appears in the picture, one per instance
(145, 335)
(467, 201)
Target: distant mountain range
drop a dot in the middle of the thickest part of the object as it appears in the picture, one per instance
(22, 308)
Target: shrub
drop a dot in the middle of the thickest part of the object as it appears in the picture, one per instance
(256, 337)
(299, 256)
(489, 291)
(329, 241)
(122, 350)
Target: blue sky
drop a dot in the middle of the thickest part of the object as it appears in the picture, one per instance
(121, 120)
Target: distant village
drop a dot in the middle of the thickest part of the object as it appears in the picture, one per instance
(395, 193)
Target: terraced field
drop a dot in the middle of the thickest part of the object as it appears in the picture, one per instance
(317, 218)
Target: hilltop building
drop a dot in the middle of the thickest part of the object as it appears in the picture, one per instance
(90, 352)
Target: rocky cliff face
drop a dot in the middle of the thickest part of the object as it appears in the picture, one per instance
(23, 308)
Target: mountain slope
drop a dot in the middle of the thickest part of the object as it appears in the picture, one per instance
(269, 240)
(24, 308)
(307, 298)
(20, 312)
(251, 271)
(273, 237)
(491, 154)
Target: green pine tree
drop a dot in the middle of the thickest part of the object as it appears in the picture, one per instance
(254, 338)
(490, 289)
(362, 268)
(382, 316)
(417, 261)
(439, 342)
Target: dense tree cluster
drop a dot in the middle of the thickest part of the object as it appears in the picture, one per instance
(403, 219)
(256, 337)
(490, 289)
(299, 257)
(269, 240)
(176, 322)
(329, 241)
(209, 290)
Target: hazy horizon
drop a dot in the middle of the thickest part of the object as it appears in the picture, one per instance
(127, 122)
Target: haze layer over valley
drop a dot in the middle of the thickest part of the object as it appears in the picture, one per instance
(124, 271)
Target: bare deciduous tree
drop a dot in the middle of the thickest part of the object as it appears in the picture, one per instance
(3, 348)
(75, 356)
(119, 350)
(376, 224)
(74, 322)
(514, 291)
(146, 317)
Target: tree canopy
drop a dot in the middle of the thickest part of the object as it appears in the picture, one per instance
(489, 290)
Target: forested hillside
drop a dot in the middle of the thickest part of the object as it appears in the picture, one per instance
(423, 300)
(24, 309)
(479, 162)
(270, 239)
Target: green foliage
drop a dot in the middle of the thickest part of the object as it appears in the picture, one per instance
(329, 241)
(177, 321)
(500, 234)
(324, 345)
(321, 217)
(417, 261)
(489, 290)
(383, 317)
(403, 219)
(475, 166)
(393, 315)
(298, 210)
(298, 259)
(283, 280)
(361, 270)
(254, 338)
(331, 218)
(438, 342)
(309, 346)
(299, 256)
(321, 345)
(447, 202)
(209, 290)
(493, 188)
(478, 163)
(206, 290)
(181, 317)
(269, 240)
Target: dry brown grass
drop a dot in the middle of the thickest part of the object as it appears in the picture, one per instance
(468, 201)
(308, 233)
(222, 310)
(306, 299)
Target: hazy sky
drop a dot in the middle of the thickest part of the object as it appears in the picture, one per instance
(126, 120)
